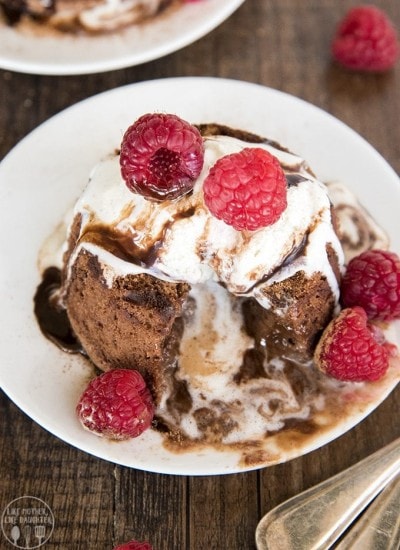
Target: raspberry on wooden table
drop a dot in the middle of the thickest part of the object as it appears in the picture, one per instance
(352, 350)
(117, 405)
(134, 545)
(161, 156)
(372, 281)
(246, 190)
(366, 40)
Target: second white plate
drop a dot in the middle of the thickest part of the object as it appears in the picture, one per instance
(37, 53)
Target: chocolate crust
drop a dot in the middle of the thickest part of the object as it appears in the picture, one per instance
(132, 324)
(301, 307)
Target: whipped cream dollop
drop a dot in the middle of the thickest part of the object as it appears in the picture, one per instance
(182, 241)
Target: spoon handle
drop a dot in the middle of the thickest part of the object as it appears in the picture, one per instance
(316, 518)
(379, 527)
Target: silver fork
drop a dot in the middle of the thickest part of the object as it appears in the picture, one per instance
(316, 518)
(40, 531)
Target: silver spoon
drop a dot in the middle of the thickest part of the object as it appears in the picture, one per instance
(316, 518)
(15, 534)
(379, 526)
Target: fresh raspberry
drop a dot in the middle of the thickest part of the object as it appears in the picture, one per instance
(372, 281)
(352, 350)
(116, 404)
(247, 189)
(134, 545)
(161, 156)
(366, 40)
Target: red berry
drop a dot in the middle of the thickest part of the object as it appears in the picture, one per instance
(372, 281)
(116, 404)
(134, 545)
(161, 156)
(366, 40)
(352, 350)
(247, 189)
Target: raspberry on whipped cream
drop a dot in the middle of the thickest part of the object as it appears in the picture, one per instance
(193, 245)
(161, 156)
(246, 190)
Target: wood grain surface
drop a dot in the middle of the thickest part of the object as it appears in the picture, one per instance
(282, 44)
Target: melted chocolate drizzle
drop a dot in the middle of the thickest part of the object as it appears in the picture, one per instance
(52, 319)
(121, 245)
(39, 10)
(294, 179)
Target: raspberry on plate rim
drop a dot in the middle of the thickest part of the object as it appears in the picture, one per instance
(372, 281)
(116, 404)
(350, 349)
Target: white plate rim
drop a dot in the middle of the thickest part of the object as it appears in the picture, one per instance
(23, 53)
(195, 96)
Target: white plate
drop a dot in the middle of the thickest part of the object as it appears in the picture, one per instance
(67, 54)
(42, 176)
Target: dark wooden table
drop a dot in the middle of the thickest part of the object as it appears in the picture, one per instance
(96, 504)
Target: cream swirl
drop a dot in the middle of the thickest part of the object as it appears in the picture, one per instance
(182, 241)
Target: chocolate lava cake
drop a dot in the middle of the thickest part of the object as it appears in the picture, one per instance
(128, 312)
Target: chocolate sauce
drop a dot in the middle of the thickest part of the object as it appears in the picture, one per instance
(215, 425)
(252, 366)
(12, 10)
(52, 319)
(366, 237)
(294, 179)
(180, 400)
(297, 250)
(39, 10)
(121, 245)
(185, 213)
(295, 253)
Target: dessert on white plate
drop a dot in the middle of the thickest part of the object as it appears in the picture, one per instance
(209, 260)
(46, 383)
